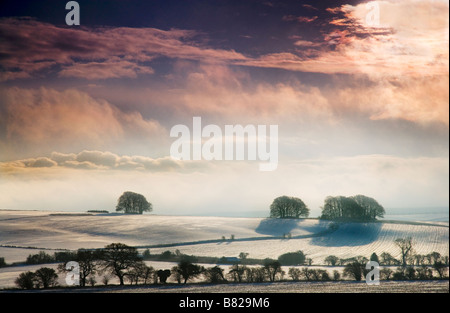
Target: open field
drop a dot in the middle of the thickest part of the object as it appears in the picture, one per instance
(44, 230)
(27, 232)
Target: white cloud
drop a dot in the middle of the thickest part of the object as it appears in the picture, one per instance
(99, 160)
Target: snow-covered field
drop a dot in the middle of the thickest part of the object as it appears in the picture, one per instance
(348, 241)
(30, 231)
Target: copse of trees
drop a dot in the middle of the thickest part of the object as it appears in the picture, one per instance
(358, 208)
(292, 258)
(42, 278)
(288, 207)
(133, 203)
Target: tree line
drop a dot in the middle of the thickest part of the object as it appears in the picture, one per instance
(124, 262)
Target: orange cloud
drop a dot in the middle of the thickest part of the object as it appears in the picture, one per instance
(300, 19)
(397, 46)
(223, 92)
(108, 69)
(47, 117)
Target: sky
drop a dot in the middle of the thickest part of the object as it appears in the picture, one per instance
(358, 89)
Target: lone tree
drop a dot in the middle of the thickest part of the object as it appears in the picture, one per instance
(406, 246)
(133, 203)
(288, 207)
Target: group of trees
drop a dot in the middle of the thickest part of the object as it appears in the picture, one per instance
(410, 265)
(357, 270)
(358, 208)
(44, 277)
(116, 259)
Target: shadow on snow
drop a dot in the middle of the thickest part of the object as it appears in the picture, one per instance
(350, 235)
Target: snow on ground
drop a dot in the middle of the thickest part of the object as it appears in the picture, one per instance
(51, 230)
(70, 231)
(351, 239)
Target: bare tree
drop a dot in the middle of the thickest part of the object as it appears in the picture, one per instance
(87, 262)
(237, 272)
(406, 247)
(259, 274)
(294, 273)
(214, 274)
(118, 258)
(273, 268)
(139, 271)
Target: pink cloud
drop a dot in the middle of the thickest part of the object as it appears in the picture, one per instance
(308, 6)
(300, 19)
(306, 43)
(104, 52)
